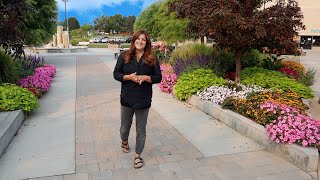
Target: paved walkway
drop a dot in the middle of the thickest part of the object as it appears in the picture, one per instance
(182, 142)
(312, 60)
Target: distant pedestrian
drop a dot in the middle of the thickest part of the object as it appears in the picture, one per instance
(137, 69)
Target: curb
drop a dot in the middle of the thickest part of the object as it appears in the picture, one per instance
(302, 157)
(10, 122)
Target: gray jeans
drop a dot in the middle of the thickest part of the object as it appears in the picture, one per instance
(141, 123)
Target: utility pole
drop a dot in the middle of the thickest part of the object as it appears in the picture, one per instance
(65, 18)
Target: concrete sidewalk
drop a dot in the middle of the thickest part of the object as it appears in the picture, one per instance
(182, 142)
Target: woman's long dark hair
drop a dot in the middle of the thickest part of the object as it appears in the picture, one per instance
(148, 57)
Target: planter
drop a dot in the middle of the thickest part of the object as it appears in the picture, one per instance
(10, 122)
(303, 157)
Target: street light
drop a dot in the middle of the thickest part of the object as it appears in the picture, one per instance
(65, 18)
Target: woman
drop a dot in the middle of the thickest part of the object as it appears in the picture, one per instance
(137, 69)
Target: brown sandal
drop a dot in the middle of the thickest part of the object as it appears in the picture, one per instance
(125, 147)
(138, 162)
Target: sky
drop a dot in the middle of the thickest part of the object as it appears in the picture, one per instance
(87, 10)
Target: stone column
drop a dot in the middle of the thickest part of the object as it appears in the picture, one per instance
(54, 40)
(59, 36)
(65, 40)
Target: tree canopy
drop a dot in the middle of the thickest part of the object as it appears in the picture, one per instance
(243, 24)
(160, 23)
(26, 22)
(116, 23)
(73, 23)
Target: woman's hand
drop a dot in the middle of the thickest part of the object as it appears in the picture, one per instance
(131, 77)
(142, 78)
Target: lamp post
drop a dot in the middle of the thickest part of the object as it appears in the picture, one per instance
(65, 18)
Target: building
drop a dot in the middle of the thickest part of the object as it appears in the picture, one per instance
(310, 37)
(311, 11)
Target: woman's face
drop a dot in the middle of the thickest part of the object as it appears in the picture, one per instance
(140, 42)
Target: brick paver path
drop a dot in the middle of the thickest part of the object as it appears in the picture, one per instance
(168, 155)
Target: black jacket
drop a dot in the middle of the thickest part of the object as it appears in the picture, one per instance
(133, 94)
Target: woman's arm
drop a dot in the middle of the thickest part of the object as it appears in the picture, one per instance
(118, 72)
(155, 77)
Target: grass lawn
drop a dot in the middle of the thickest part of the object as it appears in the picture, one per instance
(98, 45)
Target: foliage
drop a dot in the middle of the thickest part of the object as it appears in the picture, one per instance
(9, 72)
(289, 126)
(11, 22)
(272, 63)
(274, 79)
(171, 28)
(161, 51)
(41, 79)
(26, 22)
(147, 20)
(160, 23)
(169, 78)
(243, 25)
(252, 58)
(73, 23)
(307, 78)
(117, 23)
(192, 56)
(250, 106)
(98, 45)
(191, 50)
(190, 64)
(13, 97)
(41, 23)
(28, 64)
(289, 72)
(190, 83)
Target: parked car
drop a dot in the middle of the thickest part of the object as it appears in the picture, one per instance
(104, 40)
(95, 40)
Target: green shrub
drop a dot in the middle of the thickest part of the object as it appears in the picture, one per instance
(9, 72)
(272, 63)
(252, 58)
(190, 50)
(224, 61)
(191, 83)
(274, 79)
(200, 55)
(307, 78)
(14, 97)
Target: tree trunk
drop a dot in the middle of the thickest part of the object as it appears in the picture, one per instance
(239, 54)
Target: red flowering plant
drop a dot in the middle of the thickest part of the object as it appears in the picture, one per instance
(288, 125)
(35, 91)
(289, 72)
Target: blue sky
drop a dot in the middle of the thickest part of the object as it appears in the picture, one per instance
(87, 10)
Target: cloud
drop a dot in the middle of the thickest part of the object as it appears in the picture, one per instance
(85, 5)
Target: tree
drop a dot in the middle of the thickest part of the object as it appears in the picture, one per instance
(41, 23)
(171, 28)
(23, 22)
(73, 23)
(160, 23)
(147, 21)
(11, 21)
(243, 24)
(128, 23)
